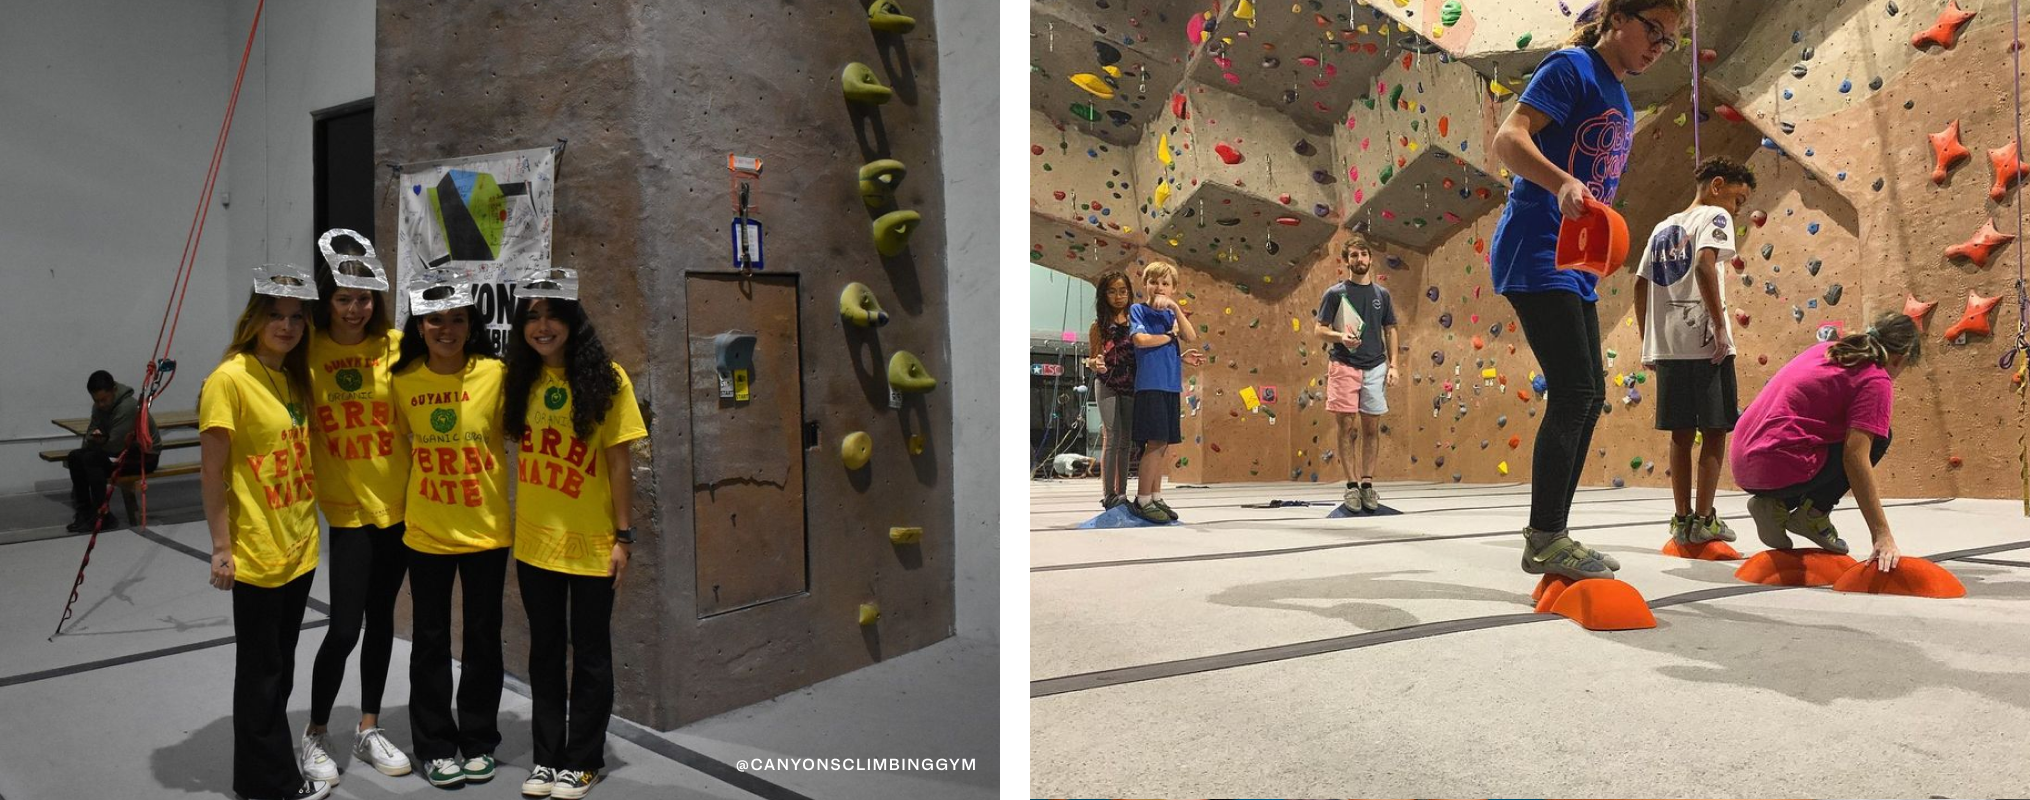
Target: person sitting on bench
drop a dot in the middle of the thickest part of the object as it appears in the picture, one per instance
(114, 409)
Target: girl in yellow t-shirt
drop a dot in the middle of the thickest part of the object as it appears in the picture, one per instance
(364, 468)
(260, 505)
(448, 402)
(574, 412)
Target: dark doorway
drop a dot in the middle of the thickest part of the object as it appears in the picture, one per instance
(342, 145)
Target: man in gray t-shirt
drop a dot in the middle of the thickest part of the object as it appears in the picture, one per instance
(1357, 320)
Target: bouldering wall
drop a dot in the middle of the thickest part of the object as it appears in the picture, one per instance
(1829, 101)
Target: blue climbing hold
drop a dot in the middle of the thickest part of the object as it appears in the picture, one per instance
(1812, 229)
(1846, 87)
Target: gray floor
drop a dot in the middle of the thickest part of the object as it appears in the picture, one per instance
(134, 699)
(1275, 653)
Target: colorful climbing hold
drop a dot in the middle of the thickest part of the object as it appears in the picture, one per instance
(1946, 31)
(1974, 320)
(1983, 243)
(1946, 147)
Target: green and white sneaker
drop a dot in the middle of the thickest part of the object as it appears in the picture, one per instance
(479, 769)
(1681, 528)
(444, 772)
(541, 781)
(1563, 556)
(573, 784)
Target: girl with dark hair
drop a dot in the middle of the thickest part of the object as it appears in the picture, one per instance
(448, 402)
(574, 412)
(1113, 358)
(1567, 142)
(1818, 429)
(363, 469)
(260, 507)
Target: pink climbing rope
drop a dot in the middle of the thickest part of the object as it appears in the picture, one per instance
(2016, 61)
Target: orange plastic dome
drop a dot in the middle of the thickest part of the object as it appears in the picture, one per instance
(1596, 242)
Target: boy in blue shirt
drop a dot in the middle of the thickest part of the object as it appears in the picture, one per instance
(1157, 326)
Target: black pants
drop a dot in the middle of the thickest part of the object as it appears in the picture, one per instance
(577, 611)
(476, 729)
(366, 568)
(265, 624)
(1564, 332)
(91, 469)
(1830, 484)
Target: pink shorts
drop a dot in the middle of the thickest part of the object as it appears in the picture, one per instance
(1350, 391)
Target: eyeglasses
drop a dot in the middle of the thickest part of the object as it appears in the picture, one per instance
(1657, 34)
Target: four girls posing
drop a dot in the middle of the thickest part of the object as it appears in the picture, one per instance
(399, 439)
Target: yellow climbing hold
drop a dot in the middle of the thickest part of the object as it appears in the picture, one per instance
(1503, 467)
(1112, 70)
(1248, 397)
(1094, 85)
(1500, 91)
(1245, 10)
(905, 535)
(869, 614)
(1295, 326)
(1163, 195)
(1163, 150)
(1437, 31)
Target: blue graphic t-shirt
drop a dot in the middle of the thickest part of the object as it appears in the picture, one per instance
(1592, 127)
(1156, 368)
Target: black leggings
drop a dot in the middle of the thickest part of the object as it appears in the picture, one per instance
(366, 567)
(1564, 332)
(1830, 484)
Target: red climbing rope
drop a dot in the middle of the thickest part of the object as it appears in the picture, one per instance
(161, 369)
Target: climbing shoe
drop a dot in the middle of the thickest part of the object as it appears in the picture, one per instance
(1369, 500)
(1815, 526)
(1352, 498)
(1562, 556)
(1715, 528)
(1150, 513)
(1681, 528)
(1167, 510)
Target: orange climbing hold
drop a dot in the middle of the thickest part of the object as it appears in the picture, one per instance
(1547, 591)
(1975, 320)
(1809, 566)
(1946, 32)
(1604, 604)
(1715, 550)
(1916, 310)
(1913, 576)
(1978, 248)
(2009, 168)
(1945, 145)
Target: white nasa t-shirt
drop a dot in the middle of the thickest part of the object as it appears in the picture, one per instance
(1678, 325)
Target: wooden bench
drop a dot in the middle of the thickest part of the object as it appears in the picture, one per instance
(164, 422)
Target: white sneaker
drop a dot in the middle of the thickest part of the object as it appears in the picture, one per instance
(317, 763)
(572, 785)
(372, 746)
(541, 781)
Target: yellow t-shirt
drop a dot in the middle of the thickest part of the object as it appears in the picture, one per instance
(457, 497)
(273, 506)
(564, 508)
(361, 461)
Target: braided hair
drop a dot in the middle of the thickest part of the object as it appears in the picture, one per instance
(1892, 334)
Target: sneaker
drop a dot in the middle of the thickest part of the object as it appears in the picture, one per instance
(444, 772)
(79, 523)
(312, 790)
(1562, 556)
(1352, 498)
(1167, 510)
(573, 784)
(1370, 499)
(541, 781)
(317, 763)
(372, 746)
(1716, 528)
(1150, 513)
(479, 769)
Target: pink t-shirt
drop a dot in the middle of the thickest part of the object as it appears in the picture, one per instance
(1808, 405)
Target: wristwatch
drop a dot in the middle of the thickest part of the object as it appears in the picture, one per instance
(623, 535)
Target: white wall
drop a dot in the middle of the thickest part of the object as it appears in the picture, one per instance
(968, 113)
(111, 112)
(111, 109)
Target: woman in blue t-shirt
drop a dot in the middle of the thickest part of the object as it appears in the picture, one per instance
(1567, 142)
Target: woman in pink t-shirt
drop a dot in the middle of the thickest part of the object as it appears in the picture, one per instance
(1816, 430)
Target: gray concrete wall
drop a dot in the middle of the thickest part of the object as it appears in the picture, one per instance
(968, 122)
(112, 109)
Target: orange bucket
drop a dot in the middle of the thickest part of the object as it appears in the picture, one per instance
(1596, 242)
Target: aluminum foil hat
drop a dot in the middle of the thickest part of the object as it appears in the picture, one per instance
(284, 280)
(552, 281)
(432, 290)
(350, 271)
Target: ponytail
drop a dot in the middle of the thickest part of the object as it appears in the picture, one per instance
(1892, 334)
(1592, 21)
